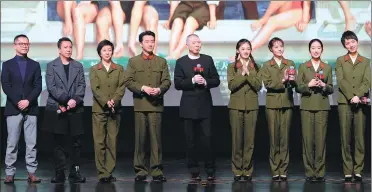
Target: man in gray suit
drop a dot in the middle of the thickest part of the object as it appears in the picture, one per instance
(63, 112)
(21, 81)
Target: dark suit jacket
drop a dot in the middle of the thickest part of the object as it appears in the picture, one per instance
(60, 90)
(196, 103)
(17, 89)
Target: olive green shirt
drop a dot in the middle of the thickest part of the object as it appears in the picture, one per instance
(149, 71)
(106, 85)
(352, 79)
(279, 95)
(243, 89)
(314, 98)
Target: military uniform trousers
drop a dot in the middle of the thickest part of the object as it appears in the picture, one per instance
(148, 122)
(314, 131)
(352, 116)
(243, 126)
(105, 131)
(279, 122)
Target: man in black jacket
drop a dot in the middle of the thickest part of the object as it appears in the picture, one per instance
(63, 115)
(195, 74)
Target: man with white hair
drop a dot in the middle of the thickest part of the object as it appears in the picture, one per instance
(195, 74)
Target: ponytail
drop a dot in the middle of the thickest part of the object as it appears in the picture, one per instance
(236, 62)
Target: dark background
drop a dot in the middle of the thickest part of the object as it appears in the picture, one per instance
(173, 138)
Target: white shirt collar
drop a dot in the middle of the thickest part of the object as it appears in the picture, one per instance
(193, 56)
(277, 61)
(245, 62)
(316, 65)
(353, 58)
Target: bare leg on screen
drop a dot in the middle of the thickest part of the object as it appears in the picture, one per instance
(85, 12)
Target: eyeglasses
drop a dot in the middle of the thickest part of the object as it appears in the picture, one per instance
(23, 44)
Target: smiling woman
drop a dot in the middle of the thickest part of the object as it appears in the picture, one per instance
(353, 73)
(244, 84)
(314, 82)
(279, 107)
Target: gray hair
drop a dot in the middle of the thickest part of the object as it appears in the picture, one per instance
(191, 35)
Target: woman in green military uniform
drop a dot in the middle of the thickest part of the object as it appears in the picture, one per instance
(244, 85)
(314, 82)
(107, 84)
(353, 73)
(279, 103)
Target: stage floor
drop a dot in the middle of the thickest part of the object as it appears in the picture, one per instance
(178, 179)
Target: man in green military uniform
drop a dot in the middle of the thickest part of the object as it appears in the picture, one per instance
(279, 104)
(353, 74)
(314, 82)
(148, 78)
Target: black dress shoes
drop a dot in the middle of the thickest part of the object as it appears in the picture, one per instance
(159, 178)
(247, 178)
(140, 178)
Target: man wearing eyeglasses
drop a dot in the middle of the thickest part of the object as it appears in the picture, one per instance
(21, 82)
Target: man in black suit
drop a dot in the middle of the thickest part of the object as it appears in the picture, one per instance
(195, 74)
(21, 81)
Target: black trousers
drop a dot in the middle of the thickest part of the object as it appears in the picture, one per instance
(199, 136)
(60, 154)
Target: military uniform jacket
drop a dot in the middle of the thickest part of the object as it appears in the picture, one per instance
(150, 71)
(352, 79)
(314, 98)
(106, 85)
(279, 95)
(243, 89)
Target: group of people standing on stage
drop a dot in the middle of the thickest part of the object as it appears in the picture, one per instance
(147, 76)
(313, 81)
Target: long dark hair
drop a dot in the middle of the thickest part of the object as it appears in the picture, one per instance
(316, 40)
(238, 45)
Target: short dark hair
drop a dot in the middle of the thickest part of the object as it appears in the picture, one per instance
(61, 40)
(103, 43)
(18, 36)
(348, 35)
(140, 37)
(316, 40)
(273, 40)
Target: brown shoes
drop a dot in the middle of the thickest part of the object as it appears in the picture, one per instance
(32, 178)
(9, 179)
